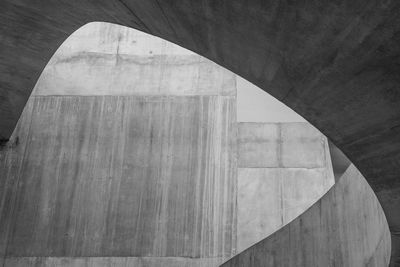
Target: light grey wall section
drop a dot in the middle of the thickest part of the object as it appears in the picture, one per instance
(127, 176)
(284, 168)
(108, 59)
(281, 145)
(347, 227)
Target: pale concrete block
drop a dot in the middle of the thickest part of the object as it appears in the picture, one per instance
(148, 176)
(259, 204)
(303, 146)
(258, 145)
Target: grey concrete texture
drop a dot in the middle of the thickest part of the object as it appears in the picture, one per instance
(270, 198)
(368, 135)
(108, 59)
(346, 227)
(284, 168)
(285, 145)
(122, 176)
(77, 202)
(335, 63)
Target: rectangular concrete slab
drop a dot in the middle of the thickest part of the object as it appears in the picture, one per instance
(303, 146)
(287, 169)
(127, 176)
(258, 145)
(260, 210)
(291, 145)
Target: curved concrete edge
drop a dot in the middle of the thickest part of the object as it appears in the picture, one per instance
(346, 227)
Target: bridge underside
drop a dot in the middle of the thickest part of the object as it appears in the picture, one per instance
(336, 63)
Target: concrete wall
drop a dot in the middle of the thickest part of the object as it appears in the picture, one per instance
(126, 154)
(123, 152)
(347, 227)
(284, 168)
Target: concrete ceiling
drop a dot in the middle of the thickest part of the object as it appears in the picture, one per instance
(336, 63)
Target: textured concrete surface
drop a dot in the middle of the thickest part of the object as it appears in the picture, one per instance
(29, 53)
(347, 227)
(149, 192)
(107, 59)
(333, 62)
(287, 145)
(141, 169)
(284, 169)
(157, 181)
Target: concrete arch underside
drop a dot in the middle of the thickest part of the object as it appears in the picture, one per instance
(335, 63)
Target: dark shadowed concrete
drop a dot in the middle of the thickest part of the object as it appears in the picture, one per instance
(334, 62)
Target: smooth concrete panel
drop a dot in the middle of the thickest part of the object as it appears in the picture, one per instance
(113, 262)
(258, 145)
(347, 227)
(289, 145)
(107, 59)
(126, 176)
(260, 205)
(270, 198)
(302, 146)
(284, 168)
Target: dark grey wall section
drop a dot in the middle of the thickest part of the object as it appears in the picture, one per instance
(347, 227)
(123, 176)
(11, 156)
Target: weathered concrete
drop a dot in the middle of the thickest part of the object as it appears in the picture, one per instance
(284, 169)
(335, 63)
(287, 145)
(347, 227)
(108, 59)
(123, 152)
(98, 204)
(95, 168)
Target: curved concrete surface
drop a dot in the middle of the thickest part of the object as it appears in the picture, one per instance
(333, 62)
(347, 227)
